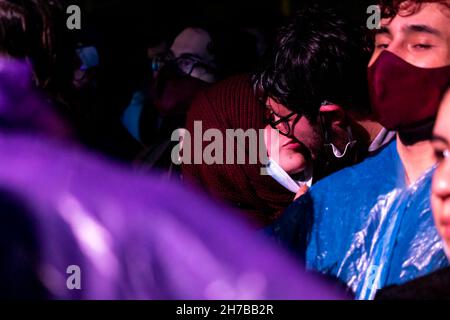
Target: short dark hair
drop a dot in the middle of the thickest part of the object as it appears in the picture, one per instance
(13, 30)
(35, 29)
(317, 56)
(234, 49)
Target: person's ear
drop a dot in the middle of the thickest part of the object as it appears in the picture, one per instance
(333, 116)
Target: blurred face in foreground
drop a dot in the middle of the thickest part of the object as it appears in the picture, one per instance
(441, 181)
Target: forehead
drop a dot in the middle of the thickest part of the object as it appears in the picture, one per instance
(192, 41)
(435, 15)
(442, 127)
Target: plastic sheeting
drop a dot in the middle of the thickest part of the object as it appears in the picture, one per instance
(132, 237)
(364, 226)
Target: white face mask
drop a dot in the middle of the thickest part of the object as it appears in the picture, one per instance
(89, 57)
(351, 143)
(283, 178)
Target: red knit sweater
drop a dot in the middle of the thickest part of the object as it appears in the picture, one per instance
(231, 104)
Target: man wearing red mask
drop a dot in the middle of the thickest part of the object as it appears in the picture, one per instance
(371, 225)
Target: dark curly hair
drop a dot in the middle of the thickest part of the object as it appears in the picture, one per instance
(390, 8)
(317, 56)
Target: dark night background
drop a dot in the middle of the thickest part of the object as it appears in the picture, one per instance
(153, 19)
(130, 25)
(122, 30)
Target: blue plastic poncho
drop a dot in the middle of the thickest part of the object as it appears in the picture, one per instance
(365, 226)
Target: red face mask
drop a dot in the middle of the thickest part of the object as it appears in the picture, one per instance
(173, 92)
(404, 96)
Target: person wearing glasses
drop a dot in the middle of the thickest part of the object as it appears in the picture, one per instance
(197, 58)
(190, 55)
(312, 89)
(177, 75)
(189, 66)
(317, 104)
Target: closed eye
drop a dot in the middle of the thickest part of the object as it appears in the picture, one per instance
(382, 46)
(422, 46)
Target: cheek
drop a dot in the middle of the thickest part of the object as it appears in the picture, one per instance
(441, 181)
(292, 161)
(436, 205)
(440, 198)
(310, 137)
(436, 58)
(203, 75)
(197, 74)
(435, 199)
(438, 212)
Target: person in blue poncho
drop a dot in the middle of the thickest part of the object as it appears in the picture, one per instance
(371, 225)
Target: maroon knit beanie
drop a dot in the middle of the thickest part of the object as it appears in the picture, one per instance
(232, 104)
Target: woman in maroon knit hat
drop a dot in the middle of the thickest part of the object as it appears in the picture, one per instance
(232, 104)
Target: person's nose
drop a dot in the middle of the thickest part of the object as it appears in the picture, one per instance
(394, 47)
(441, 181)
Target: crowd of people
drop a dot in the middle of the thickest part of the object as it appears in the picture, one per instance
(351, 198)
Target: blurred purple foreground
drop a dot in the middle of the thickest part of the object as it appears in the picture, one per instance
(131, 236)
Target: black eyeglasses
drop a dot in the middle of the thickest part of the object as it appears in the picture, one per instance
(184, 64)
(282, 124)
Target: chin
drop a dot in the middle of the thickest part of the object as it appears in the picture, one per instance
(292, 162)
(292, 168)
(295, 171)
